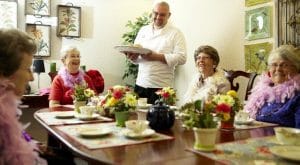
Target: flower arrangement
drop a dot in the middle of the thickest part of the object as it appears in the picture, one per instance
(206, 114)
(226, 105)
(167, 95)
(82, 93)
(197, 114)
(119, 98)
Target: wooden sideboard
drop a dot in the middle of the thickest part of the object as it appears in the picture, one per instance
(35, 101)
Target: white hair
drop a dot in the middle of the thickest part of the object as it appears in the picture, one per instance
(67, 49)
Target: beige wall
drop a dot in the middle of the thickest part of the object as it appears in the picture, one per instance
(219, 23)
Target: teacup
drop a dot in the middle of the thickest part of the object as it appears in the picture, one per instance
(137, 126)
(242, 116)
(142, 101)
(87, 111)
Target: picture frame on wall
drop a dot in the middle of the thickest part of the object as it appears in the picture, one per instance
(41, 34)
(68, 21)
(258, 23)
(8, 14)
(249, 3)
(37, 7)
(256, 56)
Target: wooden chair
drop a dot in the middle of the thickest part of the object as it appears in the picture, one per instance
(233, 74)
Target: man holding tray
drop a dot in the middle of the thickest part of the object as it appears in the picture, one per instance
(167, 45)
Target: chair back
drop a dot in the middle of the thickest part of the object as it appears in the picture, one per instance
(231, 75)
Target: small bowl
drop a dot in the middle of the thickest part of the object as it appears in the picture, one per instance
(137, 126)
(287, 136)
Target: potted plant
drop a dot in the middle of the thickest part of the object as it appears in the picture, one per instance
(131, 69)
(203, 118)
(226, 106)
(119, 100)
(81, 96)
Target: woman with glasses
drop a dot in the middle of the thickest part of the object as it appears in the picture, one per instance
(276, 97)
(210, 80)
(62, 87)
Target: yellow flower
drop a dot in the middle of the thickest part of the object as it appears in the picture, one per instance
(112, 102)
(130, 100)
(226, 116)
(89, 93)
(232, 93)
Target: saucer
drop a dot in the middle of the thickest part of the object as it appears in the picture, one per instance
(64, 115)
(93, 117)
(244, 122)
(130, 134)
(286, 152)
(94, 132)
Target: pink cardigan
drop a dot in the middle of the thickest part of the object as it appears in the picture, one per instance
(14, 149)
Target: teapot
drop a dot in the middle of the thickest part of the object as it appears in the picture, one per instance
(160, 116)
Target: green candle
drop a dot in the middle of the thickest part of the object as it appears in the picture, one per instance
(53, 67)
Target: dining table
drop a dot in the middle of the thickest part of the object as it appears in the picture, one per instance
(175, 150)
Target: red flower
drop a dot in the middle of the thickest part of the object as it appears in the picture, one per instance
(223, 108)
(165, 95)
(118, 94)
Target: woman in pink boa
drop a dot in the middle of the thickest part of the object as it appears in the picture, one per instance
(276, 97)
(16, 53)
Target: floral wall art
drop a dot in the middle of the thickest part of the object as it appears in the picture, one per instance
(68, 21)
(41, 34)
(256, 56)
(38, 7)
(258, 23)
(8, 14)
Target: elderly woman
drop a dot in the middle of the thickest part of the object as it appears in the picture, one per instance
(62, 87)
(16, 53)
(276, 97)
(210, 80)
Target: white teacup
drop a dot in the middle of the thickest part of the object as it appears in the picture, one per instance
(242, 116)
(137, 126)
(142, 101)
(87, 111)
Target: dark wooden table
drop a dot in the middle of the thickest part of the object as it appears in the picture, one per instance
(161, 152)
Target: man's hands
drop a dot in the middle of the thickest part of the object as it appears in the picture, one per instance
(131, 56)
(152, 56)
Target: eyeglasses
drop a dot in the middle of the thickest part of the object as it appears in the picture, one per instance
(282, 65)
(203, 57)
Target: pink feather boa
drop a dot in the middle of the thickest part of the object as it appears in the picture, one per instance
(14, 149)
(264, 92)
(70, 80)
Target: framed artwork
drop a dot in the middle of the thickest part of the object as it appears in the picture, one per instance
(258, 23)
(255, 2)
(41, 34)
(37, 7)
(68, 21)
(8, 14)
(256, 56)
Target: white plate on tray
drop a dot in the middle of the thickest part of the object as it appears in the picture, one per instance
(94, 132)
(286, 152)
(132, 49)
(64, 115)
(93, 117)
(130, 134)
(244, 122)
